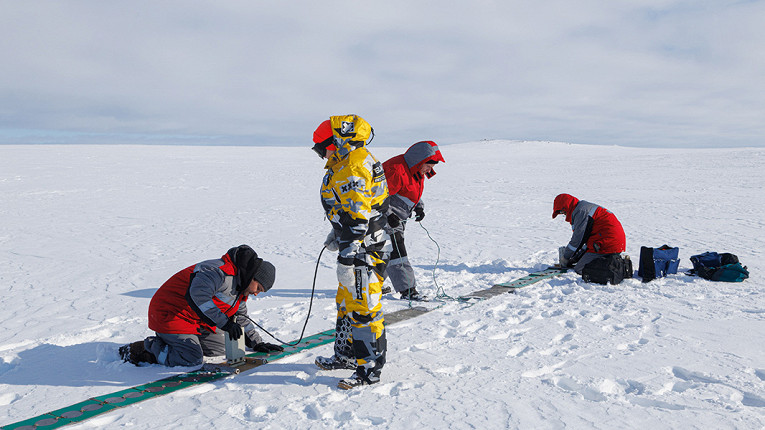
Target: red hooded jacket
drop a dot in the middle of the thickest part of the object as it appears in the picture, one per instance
(606, 234)
(405, 182)
(211, 284)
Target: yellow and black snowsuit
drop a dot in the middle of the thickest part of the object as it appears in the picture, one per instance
(354, 195)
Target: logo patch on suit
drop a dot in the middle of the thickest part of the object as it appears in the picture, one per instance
(351, 185)
(378, 174)
(346, 128)
(359, 283)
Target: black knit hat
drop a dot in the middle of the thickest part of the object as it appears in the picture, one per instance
(249, 267)
(266, 275)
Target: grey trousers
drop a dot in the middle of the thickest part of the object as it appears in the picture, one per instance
(185, 349)
(399, 270)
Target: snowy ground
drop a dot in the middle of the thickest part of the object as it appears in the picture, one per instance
(87, 234)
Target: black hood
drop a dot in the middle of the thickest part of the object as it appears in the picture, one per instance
(247, 263)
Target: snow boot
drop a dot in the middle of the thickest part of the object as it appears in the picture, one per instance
(357, 379)
(136, 353)
(335, 363)
(413, 295)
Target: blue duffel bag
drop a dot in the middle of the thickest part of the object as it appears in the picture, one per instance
(658, 262)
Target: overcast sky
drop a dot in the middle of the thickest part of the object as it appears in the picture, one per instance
(638, 72)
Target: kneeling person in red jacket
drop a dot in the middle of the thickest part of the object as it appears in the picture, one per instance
(189, 308)
(596, 232)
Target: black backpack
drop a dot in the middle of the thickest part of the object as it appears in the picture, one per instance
(609, 268)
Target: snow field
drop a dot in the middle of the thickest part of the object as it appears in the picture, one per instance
(87, 234)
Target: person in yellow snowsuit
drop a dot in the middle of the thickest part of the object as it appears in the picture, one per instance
(354, 195)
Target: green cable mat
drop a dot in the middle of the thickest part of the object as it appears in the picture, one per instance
(210, 372)
(534, 277)
(101, 404)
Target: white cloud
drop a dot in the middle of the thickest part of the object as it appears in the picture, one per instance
(632, 72)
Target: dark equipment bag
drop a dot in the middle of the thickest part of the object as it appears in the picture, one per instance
(610, 268)
(658, 262)
(628, 271)
(723, 267)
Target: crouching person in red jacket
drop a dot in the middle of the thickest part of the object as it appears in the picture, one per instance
(406, 174)
(189, 309)
(596, 232)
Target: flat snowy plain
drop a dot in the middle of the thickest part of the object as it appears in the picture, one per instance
(88, 233)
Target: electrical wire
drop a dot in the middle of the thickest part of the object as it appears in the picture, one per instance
(310, 305)
(440, 293)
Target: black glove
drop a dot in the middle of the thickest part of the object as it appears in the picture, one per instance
(233, 329)
(393, 221)
(419, 214)
(267, 347)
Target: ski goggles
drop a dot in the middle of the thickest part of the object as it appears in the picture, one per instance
(321, 148)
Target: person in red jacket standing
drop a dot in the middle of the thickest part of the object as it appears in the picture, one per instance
(406, 174)
(188, 308)
(596, 232)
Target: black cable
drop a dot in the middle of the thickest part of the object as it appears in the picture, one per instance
(440, 293)
(310, 305)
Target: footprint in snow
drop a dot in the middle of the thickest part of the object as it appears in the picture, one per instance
(257, 414)
(562, 338)
(445, 334)
(421, 347)
(760, 373)
(649, 403)
(393, 389)
(587, 392)
(499, 336)
(694, 379)
(691, 376)
(518, 351)
(600, 317)
(555, 313)
(8, 398)
(456, 370)
(753, 400)
(632, 387)
(632, 346)
(312, 412)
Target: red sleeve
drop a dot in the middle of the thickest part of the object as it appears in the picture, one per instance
(392, 177)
